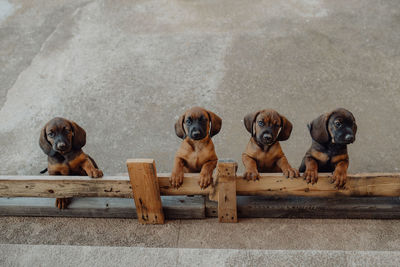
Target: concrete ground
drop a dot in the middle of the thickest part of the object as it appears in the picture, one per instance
(126, 70)
(251, 242)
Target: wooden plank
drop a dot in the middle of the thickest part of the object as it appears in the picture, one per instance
(146, 191)
(226, 191)
(64, 186)
(184, 207)
(175, 207)
(190, 185)
(83, 186)
(313, 207)
(359, 185)
(363, 184)
(181, 207)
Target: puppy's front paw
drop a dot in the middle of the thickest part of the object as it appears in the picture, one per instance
(311, 176)
(176, 179)
(62, 203)
(339, 178)
(95, 173)
(205, 180)
(251, 175)
(291, 173)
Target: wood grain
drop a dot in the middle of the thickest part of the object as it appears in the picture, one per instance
(358, 185)
(146, 191)
(175, 207)
(64, 186)
(226, 191)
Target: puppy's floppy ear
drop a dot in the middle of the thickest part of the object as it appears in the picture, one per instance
(319, 128)
(179, 129)
(216, 123)
(286, 129)
(79, 137)
(44, 143)
(354, 129)
(354, 125)
(249, 121)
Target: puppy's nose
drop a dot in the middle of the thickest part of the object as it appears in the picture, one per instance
(196, 133)
(61, 146)
(267, 137)
(349, 138)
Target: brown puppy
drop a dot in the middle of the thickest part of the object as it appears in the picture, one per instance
(62, 140)
(196, 153)
(263, 152)
(330, 133)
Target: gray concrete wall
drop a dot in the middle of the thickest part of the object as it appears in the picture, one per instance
(125, 71)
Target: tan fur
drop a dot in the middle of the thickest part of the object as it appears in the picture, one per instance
(339, 158)
(319, 155)
(256, 159)
(77, 162)
(195, 155)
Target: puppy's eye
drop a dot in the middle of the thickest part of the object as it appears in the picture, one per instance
(338, 123)
(51, 134)
(188, 121)
(261, 123)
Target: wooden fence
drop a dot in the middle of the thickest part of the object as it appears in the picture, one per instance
(146, 186)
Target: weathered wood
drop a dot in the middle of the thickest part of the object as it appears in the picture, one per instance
(313, 207)
(181, 207)
(190, 185)
(83, 186)
(146, 190)
(359, 185)
(64, 186)
(226, 191)
(175, 207)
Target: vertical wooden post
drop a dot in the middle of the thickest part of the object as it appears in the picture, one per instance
(226, 190)
(146, 191)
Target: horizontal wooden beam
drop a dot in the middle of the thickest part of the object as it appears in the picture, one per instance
(190, 185)
(313, 207)
(64, 186)
(182, 207)
(359, 185)
(83, 186)
(175, 207)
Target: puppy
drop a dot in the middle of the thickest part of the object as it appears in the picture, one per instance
(196, 153)
(330, 133)
(263, 152)
(62, 140)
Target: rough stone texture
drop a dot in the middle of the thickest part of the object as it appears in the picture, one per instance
(45, 255)
(125, 71)
(87, 231)
(282, 234)
(287, 234)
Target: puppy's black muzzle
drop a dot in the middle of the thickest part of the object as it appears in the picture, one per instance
(61, 145)
(349, 138)
(196, 132)
(344, 138)
(266, 137)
